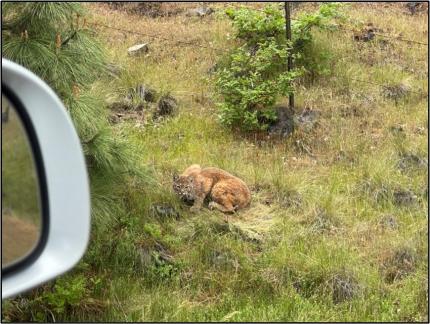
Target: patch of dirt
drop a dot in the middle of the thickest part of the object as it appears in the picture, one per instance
(124, 110)
(19, 237)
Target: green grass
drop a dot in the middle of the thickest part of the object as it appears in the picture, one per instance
(316, 213)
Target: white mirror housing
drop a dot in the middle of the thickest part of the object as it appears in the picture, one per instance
(64, 182)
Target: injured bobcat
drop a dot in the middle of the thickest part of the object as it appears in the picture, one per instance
(226, 192)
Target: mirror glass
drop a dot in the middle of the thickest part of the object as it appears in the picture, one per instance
(21, 216)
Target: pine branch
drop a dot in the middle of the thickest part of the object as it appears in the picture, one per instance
(69, 38)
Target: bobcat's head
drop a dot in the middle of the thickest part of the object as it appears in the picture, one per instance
(184, 187)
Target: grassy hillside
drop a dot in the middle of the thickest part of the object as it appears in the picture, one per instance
(337, 228)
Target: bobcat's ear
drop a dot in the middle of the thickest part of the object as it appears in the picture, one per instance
(175, 177)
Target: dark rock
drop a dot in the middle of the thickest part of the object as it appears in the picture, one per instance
(367, 33)
(308, 285)
(365, 36)
(287, 121)
(121, 106)
(404, 197)
(284, 125)
(396, 91)
(308, 119)
(389, 221)
(410, 161)
(164, 211)
(167, 105)
(199, 12)
(415, 7)
(125, 110)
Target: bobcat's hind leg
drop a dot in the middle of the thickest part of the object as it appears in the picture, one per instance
(224, 209)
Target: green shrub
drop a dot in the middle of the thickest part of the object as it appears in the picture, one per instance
(254, 74)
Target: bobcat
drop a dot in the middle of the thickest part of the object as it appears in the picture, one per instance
(226, 192)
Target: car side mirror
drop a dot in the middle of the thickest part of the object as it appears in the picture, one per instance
(45, 189)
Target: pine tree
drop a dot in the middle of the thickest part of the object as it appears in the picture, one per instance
(53, 40)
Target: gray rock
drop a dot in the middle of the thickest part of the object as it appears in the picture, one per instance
(308, 119)
(284, 125)
(415, 6)
(287, 121)
(396, 91)
(199, 12)
(404, 197)
(167, 105)
(410, 161)
(138, 49)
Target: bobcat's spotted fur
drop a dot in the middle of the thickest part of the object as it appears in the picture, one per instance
(226, 192)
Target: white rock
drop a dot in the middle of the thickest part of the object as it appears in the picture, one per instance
(138, 49)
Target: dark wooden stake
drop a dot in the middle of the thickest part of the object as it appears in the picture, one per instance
(288, 34)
